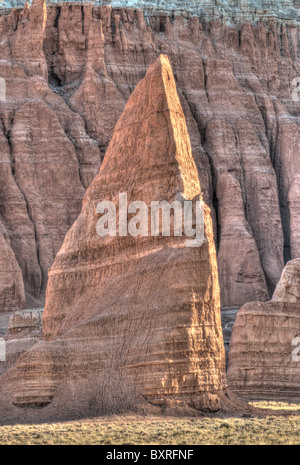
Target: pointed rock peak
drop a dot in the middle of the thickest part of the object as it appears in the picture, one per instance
(152, 132)
(131, 315)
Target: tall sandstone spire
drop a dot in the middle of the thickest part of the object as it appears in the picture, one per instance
(130, 320)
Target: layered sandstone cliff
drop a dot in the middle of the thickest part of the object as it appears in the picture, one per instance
(69, 71)
(47, 161)
(264, 351)
(129, 321)
(234, 10)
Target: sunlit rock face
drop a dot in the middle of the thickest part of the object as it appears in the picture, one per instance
(69, 71)
(264, 360)
(130, 321)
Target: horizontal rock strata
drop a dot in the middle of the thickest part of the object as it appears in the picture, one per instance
(231, 10)
(69, 71)
(129, 321)
(264, 361)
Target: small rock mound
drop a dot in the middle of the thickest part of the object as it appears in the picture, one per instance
(264, 356)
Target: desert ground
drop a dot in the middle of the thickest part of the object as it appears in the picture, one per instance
(271, 429)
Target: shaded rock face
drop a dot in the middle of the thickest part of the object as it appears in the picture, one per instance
(264, 350)
(47, 161)
(243, 279)
(69, 72)
(11, 283)
(228, 317)
(129, 320)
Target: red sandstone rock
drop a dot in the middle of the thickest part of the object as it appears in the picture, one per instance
(47, 161)
(264, 347)
(26, 44)
(12, 294)
(235, 88)
(129, 321)
(98, 101)
(243, 278)
(288, 288)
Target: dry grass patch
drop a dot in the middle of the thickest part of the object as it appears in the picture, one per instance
(287, 406)
(163, 431)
